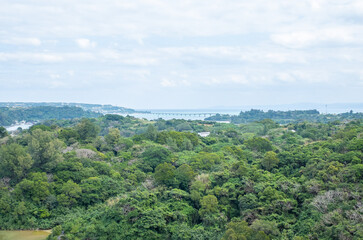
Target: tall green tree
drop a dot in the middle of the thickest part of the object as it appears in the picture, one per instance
(184, 174)
(113, 136)
(87, 130)
(270, 160)
(70, 192)
(3, 132)
(45, 149)
(151, 133)
(35, 188)
(14, 161)
(155, 155)
(165, 174)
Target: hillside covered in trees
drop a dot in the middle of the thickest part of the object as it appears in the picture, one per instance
(115, 177)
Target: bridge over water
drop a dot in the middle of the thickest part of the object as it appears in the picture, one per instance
(191, 114)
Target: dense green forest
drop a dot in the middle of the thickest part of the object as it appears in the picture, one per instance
(285, 116)
(11, 115)
(115, 177)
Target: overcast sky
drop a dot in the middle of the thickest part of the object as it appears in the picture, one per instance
(181, 54)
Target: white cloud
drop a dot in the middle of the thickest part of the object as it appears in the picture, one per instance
(56, 84)
(54, 76)
(70, 73)
(285, 77)
(31, 57)
(23, 41)
(206, 44)
(140, 61)
(301, 39)
(85, 43)
(54, 57)
(165, 82)
(138, 58)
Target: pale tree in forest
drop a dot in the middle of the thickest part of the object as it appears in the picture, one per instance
(270, 160)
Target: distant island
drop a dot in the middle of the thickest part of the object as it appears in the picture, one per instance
(284, 117)
(104, 109)
(14, 112)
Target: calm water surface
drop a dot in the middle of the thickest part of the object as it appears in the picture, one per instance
(15, 127)
(23, 235)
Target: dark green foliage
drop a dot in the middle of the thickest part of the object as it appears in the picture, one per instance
(165, 174)
(69, 135)
(259, 144)
(184, 175)
(87, 130)
(154, 156)
(15, 162)
(45, 149)
(3, 132)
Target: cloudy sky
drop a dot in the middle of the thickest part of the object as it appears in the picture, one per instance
(181, 54)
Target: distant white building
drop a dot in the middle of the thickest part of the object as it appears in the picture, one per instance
(204, 134)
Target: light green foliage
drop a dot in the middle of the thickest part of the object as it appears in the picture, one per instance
(172, 144)
(209, 204)
(183, 140)
(151, 133)
(113, 136)
(204, 160)
(187, 145)
(239, 230)
(14, 161)
(270, 194)
(268, 227)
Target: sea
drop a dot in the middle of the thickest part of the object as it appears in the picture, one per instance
(186, 114)
(23, 125)
(201, 114)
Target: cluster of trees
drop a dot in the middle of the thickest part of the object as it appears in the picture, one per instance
(119, 177)
(9, 116)
(285, 117)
